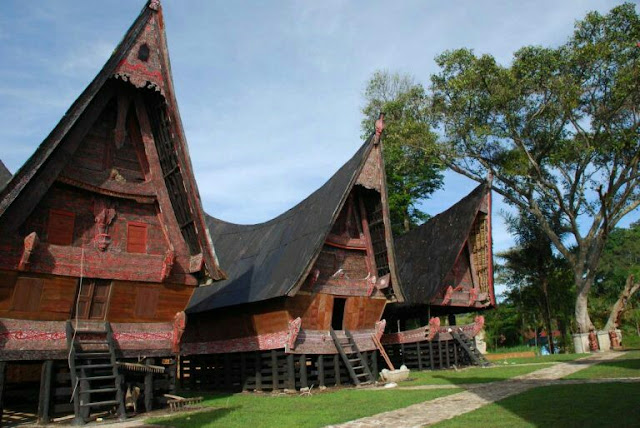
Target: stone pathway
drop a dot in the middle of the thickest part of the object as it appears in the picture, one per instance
(478, 395)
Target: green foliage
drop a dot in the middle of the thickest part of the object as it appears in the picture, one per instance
(504, 326)
(411, 163)
(557, 128)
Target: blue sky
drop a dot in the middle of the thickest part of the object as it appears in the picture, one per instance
(269, 92)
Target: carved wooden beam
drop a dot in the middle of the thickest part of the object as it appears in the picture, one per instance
(31, 241)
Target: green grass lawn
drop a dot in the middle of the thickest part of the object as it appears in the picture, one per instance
(625, 366)
(265, 410)
(631, 341)
(597, 405)
(542, 359)
(468, 375)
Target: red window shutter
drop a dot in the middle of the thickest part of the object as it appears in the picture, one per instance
(60, 229)
(136, 238)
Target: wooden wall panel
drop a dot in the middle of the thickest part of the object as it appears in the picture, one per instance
(362, 312)
(7, 283)
(314, 310)
(55, 302)
(128, 296)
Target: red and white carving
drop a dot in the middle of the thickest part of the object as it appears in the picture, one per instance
(104, 214)
(31, 241)
(292, 333)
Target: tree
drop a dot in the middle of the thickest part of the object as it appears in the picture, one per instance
(620, 264)
(532, 269)
(411, 163)
(558, 127)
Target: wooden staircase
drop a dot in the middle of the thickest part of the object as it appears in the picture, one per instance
(468, 345)
(352, 358)
(95, 381)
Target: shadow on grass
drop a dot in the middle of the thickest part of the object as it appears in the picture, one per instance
(195, 420)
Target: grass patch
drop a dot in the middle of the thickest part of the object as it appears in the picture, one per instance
(470, 375)
(607, 404)
(631, 341)
(542, 359)
(624, 366)
(265, 410)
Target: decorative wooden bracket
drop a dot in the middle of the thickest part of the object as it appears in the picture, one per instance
(433, 328)
(179, 324)
(473, 295)
(478, 324)
(292, 334)
(380, 326)
(447, 296)
(379, 128)
(167, 264)
(31, 241)
(104, 213)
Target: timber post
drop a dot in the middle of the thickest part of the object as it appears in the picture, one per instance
(3, 369)
(321, 370)
(44, 401)
(303, 371)
(148, 386)
(291, 373)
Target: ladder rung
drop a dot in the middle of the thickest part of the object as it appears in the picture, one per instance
(98, 391)
(93, 354)
(358, 367)
(105, 377)
(100, 403)
(94, 366)
(91, 342)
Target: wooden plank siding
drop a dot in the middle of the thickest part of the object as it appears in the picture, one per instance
(57, 299)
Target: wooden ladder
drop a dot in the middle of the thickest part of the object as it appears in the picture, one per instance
(467, 344)
(352, 358)
(95, 380)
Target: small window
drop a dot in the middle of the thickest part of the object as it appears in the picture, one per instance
(146, 302)
(60, 229)
(143, 53)
(137, 238)
(27, 293)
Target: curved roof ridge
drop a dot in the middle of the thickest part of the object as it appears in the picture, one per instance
(269, 259)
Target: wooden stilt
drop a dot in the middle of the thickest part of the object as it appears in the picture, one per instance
(258, 370)
(227, 368)
(243, 371)
(291, 373)
(303, 371)
(44, 402)
(447, 354)
(403, 353)
(374, 363)
(148, 386)
(441, 360)
(321, 370)
(419, 352)
(431, 366)
(274, 370)
(3, 367)
(336, 368)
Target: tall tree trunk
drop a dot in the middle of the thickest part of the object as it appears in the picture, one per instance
(618, 308)
(407, 221)
(583, 286)
(547, 314)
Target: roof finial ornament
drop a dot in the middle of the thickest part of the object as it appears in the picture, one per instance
(154, 4)
(489, 178)
(379, 128)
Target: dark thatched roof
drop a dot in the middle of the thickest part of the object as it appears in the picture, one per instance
(269, 260)
(426, 254)
(5, 175)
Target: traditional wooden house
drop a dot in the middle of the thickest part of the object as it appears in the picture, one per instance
(305, 291)
(5, 175)
(103, 239)
(445, 268)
